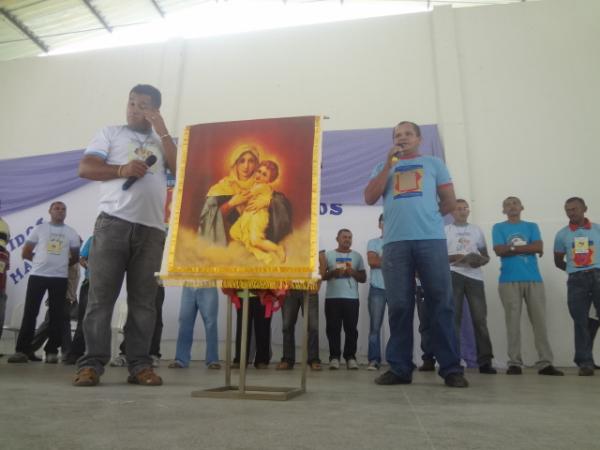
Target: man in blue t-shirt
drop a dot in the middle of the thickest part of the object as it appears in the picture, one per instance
(344, 270)
(575, 252)
(417, 191)
(518, 243)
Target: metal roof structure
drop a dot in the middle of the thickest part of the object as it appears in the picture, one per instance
(32, 27)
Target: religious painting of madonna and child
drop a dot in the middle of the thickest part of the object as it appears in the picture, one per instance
(246, 203)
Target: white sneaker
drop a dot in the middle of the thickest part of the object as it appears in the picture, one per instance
(373, 366)
(155, 361)
(334, 364)
(119, 361)
(351, 364)
(51, 358)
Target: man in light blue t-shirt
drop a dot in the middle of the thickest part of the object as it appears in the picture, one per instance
(344, 270)
(575, 252)
(377, 298)
(518, 243)
(417, 191)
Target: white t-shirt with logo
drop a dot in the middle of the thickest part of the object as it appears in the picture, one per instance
(463, 240)
(53, 244)
(144, 202)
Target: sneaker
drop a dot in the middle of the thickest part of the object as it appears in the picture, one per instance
(51, 358)
(550, 370)
(284, 365)
(373, 365)
(18, 358)
(334, 364)
(176, 365)
(487, 369)
(214, 365)
(86, 377)
(351, 364)
(586, 371)
(456, 380)
(315, 366)
(514, 370)
(389, 378)
(119, 361)
(33, 357)
(427, 366)
(155, 361)
(145, 377)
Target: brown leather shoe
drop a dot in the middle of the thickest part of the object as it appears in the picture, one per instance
(86, 377)
(145, 377)
(284, 365)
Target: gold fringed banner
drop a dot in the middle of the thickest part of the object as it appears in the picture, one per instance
(246, 206)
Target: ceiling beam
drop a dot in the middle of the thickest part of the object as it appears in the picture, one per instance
(26, 31)
(158, 8)
(96, 13)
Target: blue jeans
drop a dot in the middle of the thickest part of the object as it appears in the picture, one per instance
(377, 303)
(429, 258)
(206, 302)
(583, 289)
(121, 248)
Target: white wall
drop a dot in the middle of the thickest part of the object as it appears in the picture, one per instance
(513, 88)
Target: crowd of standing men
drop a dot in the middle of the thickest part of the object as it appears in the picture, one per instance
(418, 261)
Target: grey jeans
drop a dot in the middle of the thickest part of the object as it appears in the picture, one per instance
(289, 312)
(512, 296)
(463, 286)
(121, 249)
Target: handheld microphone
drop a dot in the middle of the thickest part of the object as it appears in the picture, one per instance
(149, 161)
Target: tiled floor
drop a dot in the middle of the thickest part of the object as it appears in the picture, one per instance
(346, 410)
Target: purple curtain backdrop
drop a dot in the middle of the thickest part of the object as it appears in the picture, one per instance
(348, 159)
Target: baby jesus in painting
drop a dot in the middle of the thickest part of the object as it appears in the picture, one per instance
(250, 227)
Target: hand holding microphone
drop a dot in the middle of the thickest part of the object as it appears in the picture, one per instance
(137, 169)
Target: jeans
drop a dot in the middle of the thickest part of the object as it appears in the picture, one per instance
(121, 248)
(261, 326)
(36, 288)
(424, 325)
(158, 326)
(473, 289)
(583, 290)
(342, 312)
(293, 302)
(429, 258)
(377, 301)
(78, 344)
(193, 301)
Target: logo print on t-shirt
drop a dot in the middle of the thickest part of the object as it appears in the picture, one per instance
(408, 181)
(143, 152)
(583, 252)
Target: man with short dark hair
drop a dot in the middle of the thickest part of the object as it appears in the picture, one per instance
(467, 252)
(518, 243)
(414, 241)
(575, 252)
(52, 247)
(129, 234)
(344, 270)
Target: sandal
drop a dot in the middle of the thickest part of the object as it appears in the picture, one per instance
(284, 365)
(86, 377)
(176, 365)
(145, 377)
(316, 366)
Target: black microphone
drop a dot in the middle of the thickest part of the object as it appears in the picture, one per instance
(149, 161)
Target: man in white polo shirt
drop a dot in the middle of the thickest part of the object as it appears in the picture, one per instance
(52, 247)
(129, 234)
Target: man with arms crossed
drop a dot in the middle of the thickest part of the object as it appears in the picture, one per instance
(517, 243)
(417, 191)
(575, 252)
(128, 235)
